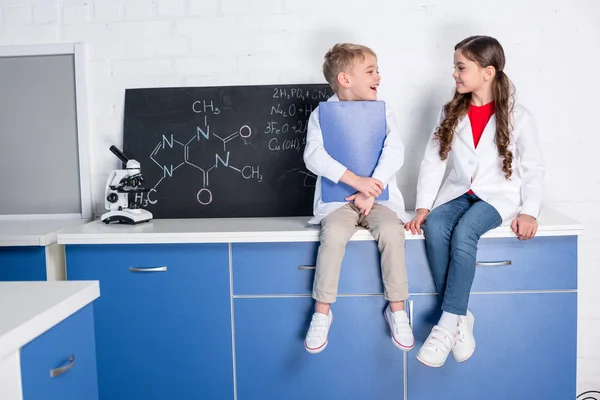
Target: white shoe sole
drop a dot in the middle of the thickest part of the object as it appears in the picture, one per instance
(466, 358)
(396, 343)
(317, 350)
(428, 364)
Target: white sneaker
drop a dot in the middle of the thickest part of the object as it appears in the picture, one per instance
(402, 335)
(465, 341)
(316, 337)
(436, 348)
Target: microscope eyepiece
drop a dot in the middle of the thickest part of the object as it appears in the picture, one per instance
(115, 150)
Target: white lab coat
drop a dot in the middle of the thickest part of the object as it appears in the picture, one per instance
(522, 194)
(320, 163)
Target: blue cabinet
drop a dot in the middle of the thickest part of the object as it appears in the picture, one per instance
(360, 361)
(272, 308)
(526, 349)
(163, 321)
(61, 363)
(23, 263)
(524, 301)
(164, 328)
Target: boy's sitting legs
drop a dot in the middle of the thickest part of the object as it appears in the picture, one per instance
(386, 228)
(336, 230)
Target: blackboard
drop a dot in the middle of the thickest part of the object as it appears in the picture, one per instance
(220, 152)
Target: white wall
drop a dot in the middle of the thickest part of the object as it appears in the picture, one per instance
(552, 48)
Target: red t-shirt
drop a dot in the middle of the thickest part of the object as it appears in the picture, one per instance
(479, 116)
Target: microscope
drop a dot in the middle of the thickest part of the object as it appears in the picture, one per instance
(122, 182)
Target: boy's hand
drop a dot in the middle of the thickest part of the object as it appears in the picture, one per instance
(524, 226)
(414, 225)
(369, 187)
(364, 203)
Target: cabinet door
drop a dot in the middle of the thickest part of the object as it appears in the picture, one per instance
(61, 363)
(23, 263)
(163, 320)
(359, 362)
(526, 349)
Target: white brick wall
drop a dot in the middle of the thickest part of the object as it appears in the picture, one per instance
(140, 10)
(552, 47)
(45, 14)
(108, 11)
(205, 8)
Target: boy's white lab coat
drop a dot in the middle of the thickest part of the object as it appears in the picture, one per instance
(522, 194)
(320, 163)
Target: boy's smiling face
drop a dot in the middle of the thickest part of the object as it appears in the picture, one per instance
(362, 82)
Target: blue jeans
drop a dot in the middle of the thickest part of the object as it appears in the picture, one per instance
(452, 232)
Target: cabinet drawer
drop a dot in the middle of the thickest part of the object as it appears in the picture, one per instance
(288, 268)
(61, 363)
(508, 264)
(145, 260)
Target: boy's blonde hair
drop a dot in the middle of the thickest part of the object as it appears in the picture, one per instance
(341, 58)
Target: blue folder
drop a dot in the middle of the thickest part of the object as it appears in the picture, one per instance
(353, 134)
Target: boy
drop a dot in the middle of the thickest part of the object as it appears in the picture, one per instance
(352, 72)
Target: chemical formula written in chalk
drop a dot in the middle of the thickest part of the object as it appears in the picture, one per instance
(204, 138)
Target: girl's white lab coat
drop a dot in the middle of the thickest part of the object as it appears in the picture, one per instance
(320, 163)
(481, 169)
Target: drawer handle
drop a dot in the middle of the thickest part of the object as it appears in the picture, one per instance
(306, 267)
(61, 370)
(493, 263)
(155, 269)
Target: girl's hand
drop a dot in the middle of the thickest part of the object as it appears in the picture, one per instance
(415, 224)
(524, 226)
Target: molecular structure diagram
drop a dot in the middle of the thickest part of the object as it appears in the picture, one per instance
(203, 134)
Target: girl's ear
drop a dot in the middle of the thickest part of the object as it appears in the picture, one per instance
(489, 73)
(343, 79)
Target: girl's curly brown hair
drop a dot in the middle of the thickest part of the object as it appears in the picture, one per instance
(485, 51)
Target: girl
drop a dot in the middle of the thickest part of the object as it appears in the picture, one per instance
(495, 175)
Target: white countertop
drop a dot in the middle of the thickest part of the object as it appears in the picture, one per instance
(232, 230)
(33, 232)
(28, 309)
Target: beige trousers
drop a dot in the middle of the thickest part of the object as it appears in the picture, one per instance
(337, 229)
